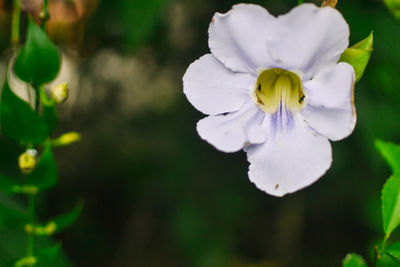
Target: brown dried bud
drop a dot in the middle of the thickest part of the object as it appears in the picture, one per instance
(331, 3)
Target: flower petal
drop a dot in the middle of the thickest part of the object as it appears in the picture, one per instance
(239, 38)
(309, 38)
(290, 160)
(232, 132)
(213, 89)
(330, 106)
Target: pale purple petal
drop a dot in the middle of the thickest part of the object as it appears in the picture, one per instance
(330, 106)
(213, 89)
(289, 160)
(308, 38)
(232, 132)
(239, 38)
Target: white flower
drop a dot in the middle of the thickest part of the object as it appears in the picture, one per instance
(272, 86)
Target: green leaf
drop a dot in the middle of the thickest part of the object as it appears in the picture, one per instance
(354, 260)
(19, 121)
(394, 7)
(65, 220)
(38, 61)
(391, 153)
(59, 223)
(394, 250)
(391, 204)
(10, 218)
(358, 55)
(45, 175)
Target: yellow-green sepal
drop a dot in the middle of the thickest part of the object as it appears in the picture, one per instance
(358, 55)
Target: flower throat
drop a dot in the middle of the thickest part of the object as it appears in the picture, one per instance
(277, 87)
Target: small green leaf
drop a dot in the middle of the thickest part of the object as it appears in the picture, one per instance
(38, 61)
(19, 121)
(391, 204)
(45, 174)
(394, 7)
(394, 250)
(391, 153)
(57, 224)
(358, 55)
(354, 260)
(10, 218)
(65, 220)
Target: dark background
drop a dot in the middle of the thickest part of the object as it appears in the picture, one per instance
(155, 194)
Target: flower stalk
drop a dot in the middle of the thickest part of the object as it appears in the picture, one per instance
(45, 14)
(15, 23)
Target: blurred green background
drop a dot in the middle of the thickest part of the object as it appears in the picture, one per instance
(155, 194)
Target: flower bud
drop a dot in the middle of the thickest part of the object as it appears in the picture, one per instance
(66, 139)
(358, 55)
(27, 161)
(331, 3)
(60, 92)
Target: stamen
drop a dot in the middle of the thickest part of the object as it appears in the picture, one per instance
(276, 87)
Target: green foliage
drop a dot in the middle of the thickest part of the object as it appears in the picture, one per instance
(47, 256)
(358, 55)
(7, 184)
(394, 251)
(391, 153)
(391, 189)
(38, 61)
(391, 204)
(65, 220)
(10, 218)
(19, 121)
(43, 258)
(45, 174)
(354, 260)
(144, 14)
(394, 7)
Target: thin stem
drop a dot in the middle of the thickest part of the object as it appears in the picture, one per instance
(15, 23)
(37, 99)
(45, 14)
(30, 240)
(379, 250)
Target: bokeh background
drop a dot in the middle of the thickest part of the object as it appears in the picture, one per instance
(155, 194)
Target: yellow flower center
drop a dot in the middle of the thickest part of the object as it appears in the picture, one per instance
(277, 87)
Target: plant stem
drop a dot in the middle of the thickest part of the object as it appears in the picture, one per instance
(379, 250)
(37, 99)
(30, 240)
(15, 23)
(45, 15)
